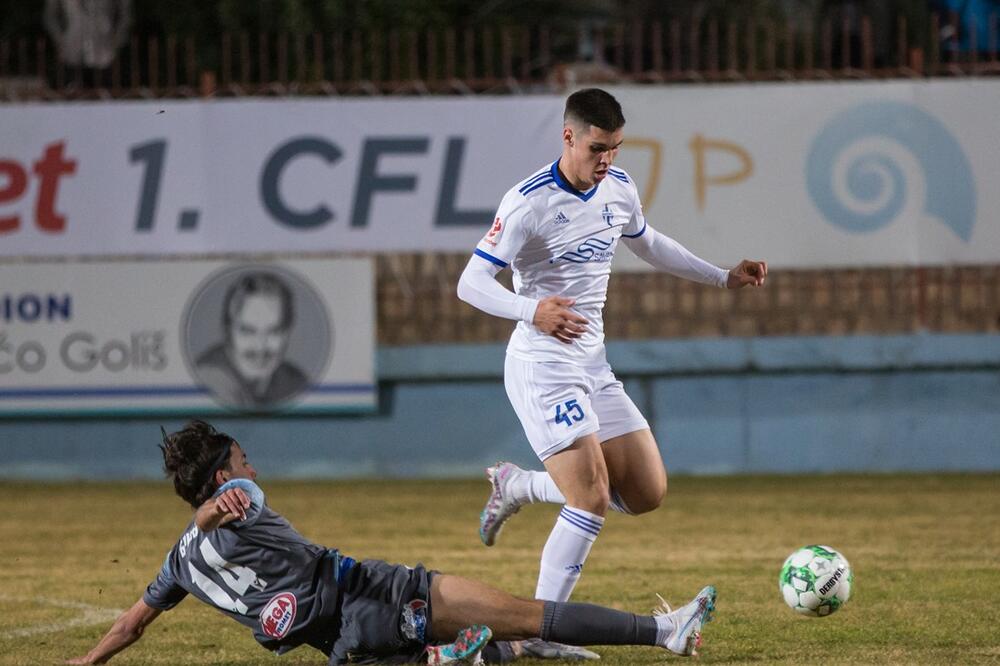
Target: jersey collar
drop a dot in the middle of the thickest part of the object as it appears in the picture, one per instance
(585, 196)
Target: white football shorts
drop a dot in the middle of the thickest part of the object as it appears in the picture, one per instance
(558, 403)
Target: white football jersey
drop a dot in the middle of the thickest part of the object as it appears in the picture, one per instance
(560, 242)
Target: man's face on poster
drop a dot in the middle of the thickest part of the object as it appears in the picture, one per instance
(258, 336)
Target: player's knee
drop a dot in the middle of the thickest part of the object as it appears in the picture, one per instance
(649, 501)
(595, 499)
(649, 498)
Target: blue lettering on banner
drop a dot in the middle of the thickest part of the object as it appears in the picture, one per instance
(371, 181)
(448, 214)
(271, 175)
(31, 308)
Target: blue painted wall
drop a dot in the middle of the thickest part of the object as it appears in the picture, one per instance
(772, 405)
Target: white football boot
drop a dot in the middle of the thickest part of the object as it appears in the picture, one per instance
(536, 647)
(680, 630)
(500, 506)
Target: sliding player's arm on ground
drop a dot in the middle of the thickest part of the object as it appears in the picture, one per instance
(664, 253)
(126, 630)
(162, 594)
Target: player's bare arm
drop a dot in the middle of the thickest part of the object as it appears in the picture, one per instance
(554, 317)
(126, 630)
(228, 506)
(747, 273)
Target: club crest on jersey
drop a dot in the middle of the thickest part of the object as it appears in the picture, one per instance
(592, 249)
(413, 621)
(560, 218)
(608, 215)
(492, 235)
(278, 615)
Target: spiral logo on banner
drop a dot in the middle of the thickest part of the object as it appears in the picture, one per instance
(871, 162)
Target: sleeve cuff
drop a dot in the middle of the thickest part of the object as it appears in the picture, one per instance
(526, 309)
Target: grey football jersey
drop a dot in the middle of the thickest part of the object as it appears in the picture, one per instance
(261, 572)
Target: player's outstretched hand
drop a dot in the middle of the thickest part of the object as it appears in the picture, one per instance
(553, 317)
(747, 273)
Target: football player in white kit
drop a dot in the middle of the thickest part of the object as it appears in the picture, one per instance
(558, 231)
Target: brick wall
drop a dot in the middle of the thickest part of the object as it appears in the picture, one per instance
(417, 303)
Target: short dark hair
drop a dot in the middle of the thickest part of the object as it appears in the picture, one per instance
(593, 106)
(191, 456)
(260, 283)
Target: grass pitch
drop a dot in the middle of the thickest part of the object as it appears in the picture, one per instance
(924, 551)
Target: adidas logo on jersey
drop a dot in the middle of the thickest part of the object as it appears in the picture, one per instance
(560, 219)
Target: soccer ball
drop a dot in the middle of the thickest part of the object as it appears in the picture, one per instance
(816, 581)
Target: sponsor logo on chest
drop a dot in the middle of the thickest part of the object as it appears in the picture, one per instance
(278, 615)
(598, 247)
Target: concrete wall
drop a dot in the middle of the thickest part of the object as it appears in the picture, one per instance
(754, 405)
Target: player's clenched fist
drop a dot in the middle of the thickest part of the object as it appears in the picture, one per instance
(747, 273)
(233, 502)
(554, 318)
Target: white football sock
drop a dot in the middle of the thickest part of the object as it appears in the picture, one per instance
(565, 552)
(664, 627)
(528, 487)
(539, 487)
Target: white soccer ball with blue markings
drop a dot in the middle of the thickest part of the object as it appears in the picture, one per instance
(816, 581)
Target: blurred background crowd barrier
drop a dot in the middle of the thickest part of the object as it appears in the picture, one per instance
(108, 49)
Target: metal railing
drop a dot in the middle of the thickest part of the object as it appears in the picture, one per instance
(501, 59)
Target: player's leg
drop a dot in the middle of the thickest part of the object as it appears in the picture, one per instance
(456, 601)
(513, 487)
(581, 474)
(638, 480)
(636, 472)
(552, 402)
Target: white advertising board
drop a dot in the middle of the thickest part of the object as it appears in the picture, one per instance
(810, 175)
(187, 337)
(804, 175)
(195, 177)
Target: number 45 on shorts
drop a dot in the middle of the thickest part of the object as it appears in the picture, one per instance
(569, 412)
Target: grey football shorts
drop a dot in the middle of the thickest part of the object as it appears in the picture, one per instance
(385, 613)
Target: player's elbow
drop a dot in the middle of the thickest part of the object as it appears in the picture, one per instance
(464, 289)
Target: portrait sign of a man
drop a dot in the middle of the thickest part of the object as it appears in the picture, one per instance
(250, 367)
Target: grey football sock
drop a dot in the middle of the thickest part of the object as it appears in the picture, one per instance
(588, 624)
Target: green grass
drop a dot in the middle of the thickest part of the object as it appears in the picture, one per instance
(924, 551)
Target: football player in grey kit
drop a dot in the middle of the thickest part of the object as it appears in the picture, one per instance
(245, 559)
